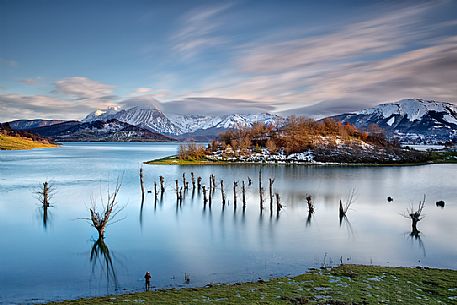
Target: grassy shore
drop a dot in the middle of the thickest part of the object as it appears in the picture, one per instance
(435, 158)
(17, 143)
(347, 284)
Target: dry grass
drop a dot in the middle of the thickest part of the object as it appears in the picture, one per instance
(20, 143)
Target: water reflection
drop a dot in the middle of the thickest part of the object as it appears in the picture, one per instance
(101, 260)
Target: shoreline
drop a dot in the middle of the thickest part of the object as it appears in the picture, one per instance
(344, 284)
(173, 160)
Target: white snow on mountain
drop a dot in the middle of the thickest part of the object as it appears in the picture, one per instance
(155, 120)
(413, 109)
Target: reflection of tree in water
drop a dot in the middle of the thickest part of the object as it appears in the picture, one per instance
(415, 236)
(101, 258)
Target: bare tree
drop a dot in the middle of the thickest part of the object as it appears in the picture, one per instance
(110, 210)
(45, 193)
(415, 215)
(193, 180)
(235, 184)
(349, 201)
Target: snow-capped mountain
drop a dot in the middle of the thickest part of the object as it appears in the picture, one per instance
(110, 130)
(410, 120)
(155, 120)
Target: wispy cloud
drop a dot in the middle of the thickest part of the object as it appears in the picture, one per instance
(198, 30)
(391, 56)
(83, 88)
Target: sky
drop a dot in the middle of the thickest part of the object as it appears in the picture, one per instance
(63, 59)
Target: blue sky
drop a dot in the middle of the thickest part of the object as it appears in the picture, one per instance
(63, 59)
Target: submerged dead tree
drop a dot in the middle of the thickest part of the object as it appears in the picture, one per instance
(222, 193)
(162, 187)
(178, 192)
(271, 193)
(45, 193)
(199, 183)
(309, 200)
(192, 178)
(349, 201)
(415, 215)
(156, 192)
(110, 209)
(243, 191)
(235, 184)
(205, 199)
(142, 184)
(278, 204)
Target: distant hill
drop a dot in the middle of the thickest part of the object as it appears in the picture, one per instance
(15, 140)
(99, 131)
(29, 124)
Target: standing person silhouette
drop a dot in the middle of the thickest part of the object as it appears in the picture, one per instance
(147, 279)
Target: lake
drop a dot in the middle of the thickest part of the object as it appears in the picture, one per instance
(56, 256)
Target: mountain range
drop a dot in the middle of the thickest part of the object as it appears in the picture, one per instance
(409, 120)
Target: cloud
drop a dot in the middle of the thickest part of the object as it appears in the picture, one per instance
(394, 55)
(8, 62)
(142, 90)
(198, 30)
(16, 106)
(31, 81)
(215, 106)
(84, 88)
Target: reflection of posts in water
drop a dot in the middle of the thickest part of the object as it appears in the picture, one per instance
(101, 256)
(141, 214)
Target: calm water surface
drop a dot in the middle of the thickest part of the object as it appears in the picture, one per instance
(58, 257)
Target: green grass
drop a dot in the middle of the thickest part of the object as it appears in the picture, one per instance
(17, 143)
(347, 284)
(173, 160)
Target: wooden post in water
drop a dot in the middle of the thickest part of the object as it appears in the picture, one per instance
(235, 184)
(309, 200)
(45, 194)
(184, 182)
(249, 181)
(278, 204)
(222, 192)
(199, 183)
(205, 199)
(156, 192)
(193, 180)
(162, 187)
(271, 193)
(142, 184)
(243, 190)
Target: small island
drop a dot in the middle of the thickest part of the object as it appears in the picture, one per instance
(304, 141)
(22, 140)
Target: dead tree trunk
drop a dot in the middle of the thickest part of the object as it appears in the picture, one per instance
(223, 193)
(193, 180)
(243, 190)
(199, 183)
(210, 197)
(278, 204)
(342, 212)
(235, 184)
(310, 204)
(261, 192)
(415, 216)
(45, 194)
(178, 192)
(249, 181)
(184, 181)
(142, 184)
(205, 199)
(162, 187)
(271, 193)
(156, 192)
